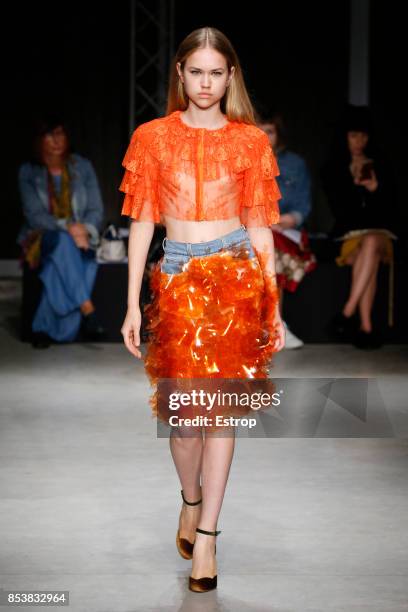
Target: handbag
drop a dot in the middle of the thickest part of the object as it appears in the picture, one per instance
(111, 247)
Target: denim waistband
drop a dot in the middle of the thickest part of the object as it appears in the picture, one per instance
(198, 249)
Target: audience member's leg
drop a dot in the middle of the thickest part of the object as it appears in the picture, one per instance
(68, 278)
(365, 265)
(366, 303)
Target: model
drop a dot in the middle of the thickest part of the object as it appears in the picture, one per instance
(207, 173)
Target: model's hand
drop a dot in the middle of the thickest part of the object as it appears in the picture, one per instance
(131, 331)
(274, 325)
(280, 334)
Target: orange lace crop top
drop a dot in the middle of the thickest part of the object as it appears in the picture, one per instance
(197, 174)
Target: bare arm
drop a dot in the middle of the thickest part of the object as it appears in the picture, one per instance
(140, 237)
(262, 240)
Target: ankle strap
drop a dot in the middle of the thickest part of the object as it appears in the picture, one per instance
(190, 503)
(213, 533)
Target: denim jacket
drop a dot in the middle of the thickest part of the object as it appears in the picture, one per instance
(86, 200)
(295, 185)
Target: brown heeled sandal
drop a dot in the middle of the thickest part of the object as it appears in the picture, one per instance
(202, 585)
(184, 546)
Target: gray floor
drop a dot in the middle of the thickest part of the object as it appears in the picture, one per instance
(90, 497)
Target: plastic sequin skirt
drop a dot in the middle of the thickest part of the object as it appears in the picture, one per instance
(210, 316)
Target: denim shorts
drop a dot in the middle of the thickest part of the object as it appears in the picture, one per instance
(176, 254)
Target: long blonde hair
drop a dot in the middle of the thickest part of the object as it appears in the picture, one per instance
(235, 104)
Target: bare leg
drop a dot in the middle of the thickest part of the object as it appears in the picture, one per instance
(366, 302)
(217, 459)
(186, 451)
(357, 263)
(364, 266)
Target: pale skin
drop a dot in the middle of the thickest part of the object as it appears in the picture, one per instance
(53, 148)
(365, 260)
(208, 457)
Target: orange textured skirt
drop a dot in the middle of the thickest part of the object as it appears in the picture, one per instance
(210, 316)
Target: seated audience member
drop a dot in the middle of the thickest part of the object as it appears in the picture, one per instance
(63, 213)
(293, 256)
(360, 192)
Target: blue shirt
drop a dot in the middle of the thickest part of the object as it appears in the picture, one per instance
(86, 199)
(294, 184)
(57, 179)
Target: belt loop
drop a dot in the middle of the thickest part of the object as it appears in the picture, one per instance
(224, 246)
(189, 249)
(164, 242)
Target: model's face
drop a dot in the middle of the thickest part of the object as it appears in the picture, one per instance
(54, 142)
(205, 77)
(270, 130)
(357, 142)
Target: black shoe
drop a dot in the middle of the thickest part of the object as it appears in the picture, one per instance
(40, 340)
(367, 340)
(92, 328)
(342, 327)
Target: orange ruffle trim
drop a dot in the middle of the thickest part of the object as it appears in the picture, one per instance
(165, 149)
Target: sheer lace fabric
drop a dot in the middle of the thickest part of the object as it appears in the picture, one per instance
(196, 174)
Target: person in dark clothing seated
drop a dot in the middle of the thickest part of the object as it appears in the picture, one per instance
(360, 192)
(63, 213)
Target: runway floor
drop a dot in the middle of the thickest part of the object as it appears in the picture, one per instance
(90, 497)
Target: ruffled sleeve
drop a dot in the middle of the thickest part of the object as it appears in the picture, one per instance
(140, 181)
(259, 207)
